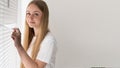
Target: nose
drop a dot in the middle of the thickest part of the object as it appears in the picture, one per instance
(31, 16)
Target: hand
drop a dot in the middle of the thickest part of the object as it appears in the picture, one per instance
(16, 36)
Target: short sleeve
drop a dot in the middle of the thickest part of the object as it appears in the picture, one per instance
(47, 50)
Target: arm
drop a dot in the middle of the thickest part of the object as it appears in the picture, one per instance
(26, 60)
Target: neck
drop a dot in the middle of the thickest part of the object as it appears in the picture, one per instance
(37, 31)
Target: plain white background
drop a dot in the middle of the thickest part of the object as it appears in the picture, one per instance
(87, 32)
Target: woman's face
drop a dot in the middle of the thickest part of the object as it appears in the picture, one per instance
(33, 16)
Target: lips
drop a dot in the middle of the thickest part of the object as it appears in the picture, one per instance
(32, 22)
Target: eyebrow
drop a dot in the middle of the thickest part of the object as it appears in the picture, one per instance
(37, 11)
(34, 11)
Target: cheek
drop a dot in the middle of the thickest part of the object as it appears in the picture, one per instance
(38, 21)
(27, 20)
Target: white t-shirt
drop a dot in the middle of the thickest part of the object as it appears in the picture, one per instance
(47, 51)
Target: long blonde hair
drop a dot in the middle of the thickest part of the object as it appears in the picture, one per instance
(29, 32)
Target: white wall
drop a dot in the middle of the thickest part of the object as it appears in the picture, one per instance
(24, 4)
(21, 20)
(87, 32)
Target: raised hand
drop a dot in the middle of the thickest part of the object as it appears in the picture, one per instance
(16, 36)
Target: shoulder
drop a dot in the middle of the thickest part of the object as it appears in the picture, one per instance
(49, 40)
(49, 36)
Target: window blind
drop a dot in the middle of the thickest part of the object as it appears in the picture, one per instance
(8, 15)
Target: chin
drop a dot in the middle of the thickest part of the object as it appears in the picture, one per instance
(31, 26)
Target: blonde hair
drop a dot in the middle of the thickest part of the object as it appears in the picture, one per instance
(29, 32)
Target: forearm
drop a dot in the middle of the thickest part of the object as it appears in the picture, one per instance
(26, 60)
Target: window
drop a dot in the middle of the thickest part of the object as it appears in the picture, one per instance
(8, 15)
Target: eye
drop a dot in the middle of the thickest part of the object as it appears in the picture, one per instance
(36, 14)
(28, 14)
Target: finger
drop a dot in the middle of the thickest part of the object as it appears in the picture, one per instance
(13, 36)
(17, 30)
(14, 29)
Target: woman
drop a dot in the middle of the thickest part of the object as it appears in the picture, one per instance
(39, 46)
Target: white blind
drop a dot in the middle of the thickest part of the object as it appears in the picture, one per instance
(8, 11)
(8, 15)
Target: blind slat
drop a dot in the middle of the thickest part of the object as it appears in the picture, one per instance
(8, 15)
